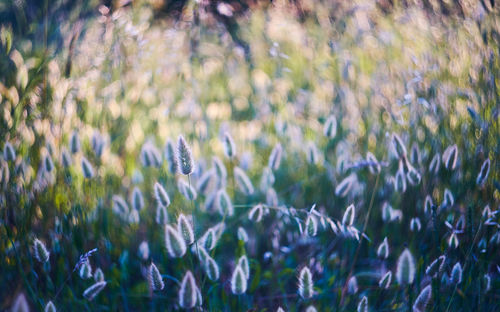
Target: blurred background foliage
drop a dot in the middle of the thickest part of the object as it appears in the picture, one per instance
(267, 72)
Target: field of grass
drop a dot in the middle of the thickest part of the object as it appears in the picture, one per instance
(342, 160)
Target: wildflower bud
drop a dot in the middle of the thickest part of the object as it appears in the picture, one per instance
(185, 229)
(423, 299)
(91, 292)
(184, 157)
(330, 128)
(383, 249)
(363, 304)
(188, 293)
(187, 190)
(405, 273)
(243, 182)
(385, 281)
(155, 278)
(280, 309)
(87, 170)
(275, 157)
(306, 286)
(173, 165)
(50, 307)
(174, 242)
(41, 252)
(483, 174)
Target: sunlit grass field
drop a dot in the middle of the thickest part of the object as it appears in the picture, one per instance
(341, 160)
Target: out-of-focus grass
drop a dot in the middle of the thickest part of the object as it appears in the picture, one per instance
(137, 80)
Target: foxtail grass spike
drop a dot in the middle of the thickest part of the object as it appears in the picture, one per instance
(238, 281)
(171, 157)
(456, 274)
(306, 286)
(229, 146)
(50, 307)
(41, 252)
(87, 169)
(243, 182)
(243, 263)
(311, 225)
(184, 157)
(212, 269)
(483, 173)
(330, 127)
(383, 249)
(185, 229)
(405, 273)
(275, 157)
(98, 275)
(161, 195)
(423, 299)
(20, 304)
(176, 246)
(155, 279)
(385, 281)
(349, 215)
(363, 305)
(91, 292)
(188, 293)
